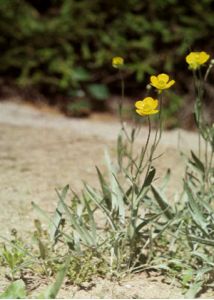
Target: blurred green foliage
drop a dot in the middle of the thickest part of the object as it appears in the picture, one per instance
(67, 45)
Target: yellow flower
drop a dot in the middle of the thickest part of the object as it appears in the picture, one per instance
(147, 106)
(117, 62)
(161, 82)
(196, 59)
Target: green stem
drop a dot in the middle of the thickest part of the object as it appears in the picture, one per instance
(122, 95)
(156, 139)
(208, 71)
(210, 161)
(121, 106)
(197, 86)
(160, 121)
(206, 164)
(143, 152)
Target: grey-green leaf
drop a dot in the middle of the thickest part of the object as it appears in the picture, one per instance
(165, 207)
(197, 162)
(52, 291)
(16, 290)
(56, 221)
(150, 177)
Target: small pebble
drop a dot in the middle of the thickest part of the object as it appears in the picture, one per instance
(128, 286)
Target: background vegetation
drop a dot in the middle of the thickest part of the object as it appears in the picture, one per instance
(65, 47)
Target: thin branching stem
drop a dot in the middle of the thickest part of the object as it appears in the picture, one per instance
(143, 152)
(157, 138)
(198, 109)
(210, 161)
(121, 101)
(208, 71)
(160, 121)
(206, 163)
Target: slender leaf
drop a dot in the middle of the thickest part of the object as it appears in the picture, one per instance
(116, 195)
(166, 179)
(52, 291)
(57, 218)
(195, 210)
(201, 240)
(16, 290)
(162, 202)
(204, 258)
(146, 222)
(91, 219)
(80, 228)
(197, 163)
(93, 197)
(150, 177)
(105, 189)
(194, 290)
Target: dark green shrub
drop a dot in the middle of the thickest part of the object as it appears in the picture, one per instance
(67, 45)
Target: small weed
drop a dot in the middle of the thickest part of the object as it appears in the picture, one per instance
(13, 255)
(86, 266)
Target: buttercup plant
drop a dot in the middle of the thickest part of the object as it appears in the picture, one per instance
(133, 221)
(198, 209)
(195, 61)
(126, 236)
(192, 228)
(128, 225)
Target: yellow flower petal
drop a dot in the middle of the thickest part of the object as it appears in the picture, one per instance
(155, 104)
(139, 104)
(147, 106)
(160, 82)
(196, 59)
(190, 58)
(154, 80)
(203, 57)
(155, 111)
(163, 77)
(140, 112)
(143, 113)
(149, 101)
(117, 61)
(170, 83)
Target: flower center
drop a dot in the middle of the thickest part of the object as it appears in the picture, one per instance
(162, 83)
(147, 107)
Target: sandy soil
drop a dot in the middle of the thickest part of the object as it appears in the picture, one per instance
(42, 150)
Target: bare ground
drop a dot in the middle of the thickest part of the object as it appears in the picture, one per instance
(42, 150)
